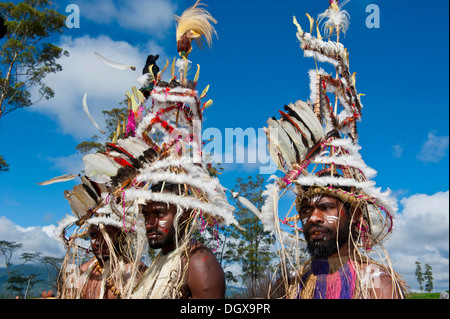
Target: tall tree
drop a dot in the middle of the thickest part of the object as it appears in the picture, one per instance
(25, 57)
(428, 277)
(419, 275)
(255, 248)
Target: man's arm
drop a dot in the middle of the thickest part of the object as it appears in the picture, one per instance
(206, 279)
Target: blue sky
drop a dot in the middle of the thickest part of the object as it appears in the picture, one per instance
(253, 68)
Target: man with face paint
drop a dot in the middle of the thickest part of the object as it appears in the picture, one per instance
(329, 227)
(199, 274)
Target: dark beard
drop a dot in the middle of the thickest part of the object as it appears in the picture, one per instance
(323, 249)
(167, 241)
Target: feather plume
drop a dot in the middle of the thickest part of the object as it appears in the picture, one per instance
(296, 138)
(204, 92)
(197, 73)
(305, 113)
(336, 18)
(160, 73)
(112, 64)
(273, 148)
(58, 179)
(299, 28)
(194, 23)
(282, 140)
(311, 23)
(300, 127)
(86, 110)
(100, 168)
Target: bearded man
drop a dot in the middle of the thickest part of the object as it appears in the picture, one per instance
(328, 225)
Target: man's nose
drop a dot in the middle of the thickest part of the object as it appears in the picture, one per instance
(316, 216)
(151, 221)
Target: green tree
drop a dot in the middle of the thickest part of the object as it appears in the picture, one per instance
(255, 248)
(419, 275)
(428, 277)
(25, 57)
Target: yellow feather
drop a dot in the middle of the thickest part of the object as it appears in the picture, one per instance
(138, 95)
(319, 36)
(299, 28)
(311, 23)
(204, 92)
(124, 125)
(114, 140)
(118, 129)
(334, 6)
(354, 79)
(132, 100)
(207, 104)
(197, 21)
(160, 73)
(151, 71)
(172, 69)
(197, 73)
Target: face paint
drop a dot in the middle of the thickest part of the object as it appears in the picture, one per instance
(331, 219)
(162, 223)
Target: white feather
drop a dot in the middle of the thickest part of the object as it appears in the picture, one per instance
(100, 168)
(306, 114)
(295, 136)
(86, 110)
(246, 203)
(63, 178)
(281, 139)
(113, 64)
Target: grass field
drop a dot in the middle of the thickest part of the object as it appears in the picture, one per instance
(423, 296)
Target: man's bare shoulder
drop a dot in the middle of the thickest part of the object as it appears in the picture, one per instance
(206, 278)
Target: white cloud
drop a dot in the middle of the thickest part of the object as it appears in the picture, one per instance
(34, 239)
(421, 233)
(149, 16)
(83, 73)
(434, 149)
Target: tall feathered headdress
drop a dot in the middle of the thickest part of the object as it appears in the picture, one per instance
(315, 145)
(160, 143)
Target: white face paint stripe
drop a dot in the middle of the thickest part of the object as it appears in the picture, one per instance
(304, 221)
(332, 219)
(162, 223)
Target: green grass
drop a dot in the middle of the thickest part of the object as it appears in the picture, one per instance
(423, 296)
